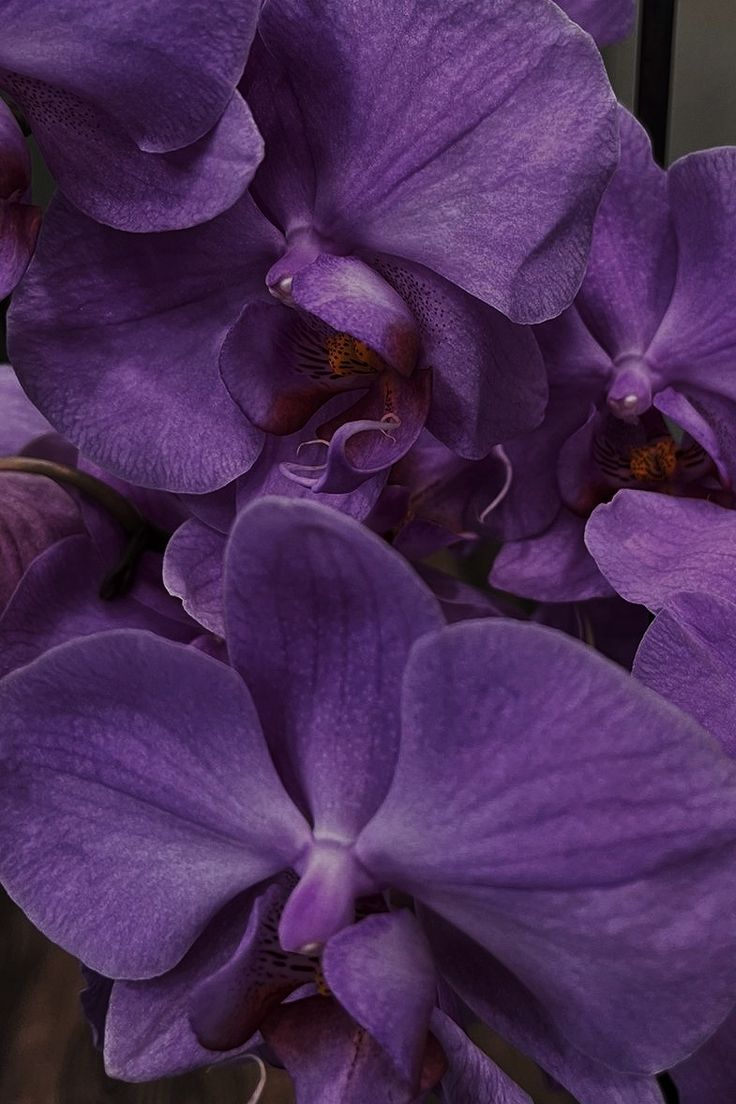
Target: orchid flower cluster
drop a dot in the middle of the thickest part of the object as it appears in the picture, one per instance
(341, 305)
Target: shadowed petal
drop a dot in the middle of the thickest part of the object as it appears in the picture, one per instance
(116, 339)
(323, 657)
(505, 160)
(137, 798)
(579, 820)
(652, 547)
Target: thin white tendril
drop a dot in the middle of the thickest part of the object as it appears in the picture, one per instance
(498, 451)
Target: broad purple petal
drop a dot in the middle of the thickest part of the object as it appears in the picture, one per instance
(116, 339)
(652, 547)
(688, 655)
(116, 738)
(323, 657)
(561, 856)
(467, 186)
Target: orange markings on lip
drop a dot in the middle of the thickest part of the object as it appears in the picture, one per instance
(654, 462)
(347, 356)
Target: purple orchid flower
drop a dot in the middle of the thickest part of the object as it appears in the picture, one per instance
(372, 749)
(641, 379)
(401, 208)
(59, 547)
(134, 105)
(19, 219)
(607, 21)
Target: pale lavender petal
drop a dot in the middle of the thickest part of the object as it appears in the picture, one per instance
(652, 547)
(193, 571)
(323, 657)
(688, 655)
(560, 856)
(488, 160)
(116, 337)
(113, 739)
